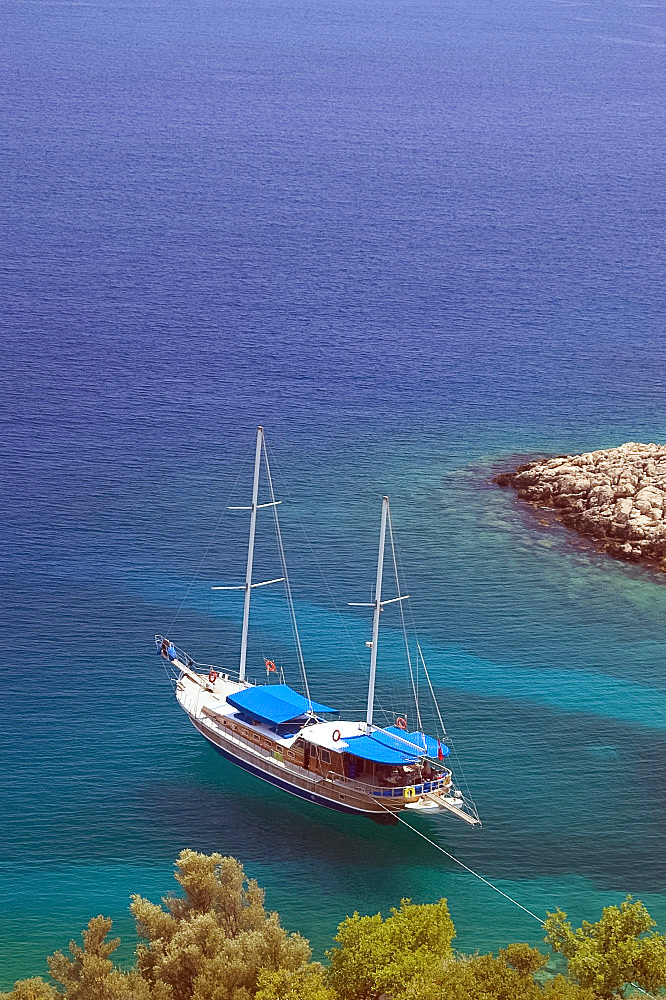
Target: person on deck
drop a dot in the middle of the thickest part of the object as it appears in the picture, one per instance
(171, 651)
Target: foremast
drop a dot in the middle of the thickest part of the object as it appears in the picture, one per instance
(250, 554)
(248, 586)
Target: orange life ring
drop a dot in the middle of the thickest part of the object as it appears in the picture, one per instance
(401, 722)
(336, 735)
(270, 666)
(212, 676)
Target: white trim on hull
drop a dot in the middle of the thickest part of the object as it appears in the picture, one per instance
(380, 814)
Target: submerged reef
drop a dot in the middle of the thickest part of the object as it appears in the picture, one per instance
(615, 496)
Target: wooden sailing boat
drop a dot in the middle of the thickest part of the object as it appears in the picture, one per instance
(291, 741)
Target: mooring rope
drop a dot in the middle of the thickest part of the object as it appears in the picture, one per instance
(461, 863)
(482, 879)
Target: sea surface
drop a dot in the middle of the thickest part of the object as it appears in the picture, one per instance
(415, 240)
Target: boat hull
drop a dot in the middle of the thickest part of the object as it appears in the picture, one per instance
(377, 813)
(254, 749)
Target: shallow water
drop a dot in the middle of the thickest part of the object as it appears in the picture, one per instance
(414, 241)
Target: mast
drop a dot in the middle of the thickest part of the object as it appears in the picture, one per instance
(377, 612)
(378, 605)
(250, 553)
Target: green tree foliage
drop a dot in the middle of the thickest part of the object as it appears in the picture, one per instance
(31, 989)
(307, 983)
(509, 976)
(212, 942)
(89, 974)
(376, 957)
(618, 950)
(216, 941)
(523, 958)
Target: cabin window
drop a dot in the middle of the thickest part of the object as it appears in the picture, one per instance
(256, 737)
(326, 757)
(267, 743)
(290, 754)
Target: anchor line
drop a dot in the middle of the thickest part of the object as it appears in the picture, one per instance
(481, 878)
(458, 862)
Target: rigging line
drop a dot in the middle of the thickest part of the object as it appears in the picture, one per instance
(436, 704)
(287, 585)
(398, 562)
(210, 542)
(318, 564)
(340, 615)
(459, 766)
(462, 865)
(432, 693)
(402, 621)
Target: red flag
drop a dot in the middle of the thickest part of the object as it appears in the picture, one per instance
(440, 752)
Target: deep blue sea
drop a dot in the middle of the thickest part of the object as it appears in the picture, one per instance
(415, 240)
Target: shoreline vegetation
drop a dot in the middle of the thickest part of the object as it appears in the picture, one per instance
(216, 941)
(616, 497)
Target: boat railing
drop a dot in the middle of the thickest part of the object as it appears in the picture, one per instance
(417, 787)
(378, 791)
(184, 658)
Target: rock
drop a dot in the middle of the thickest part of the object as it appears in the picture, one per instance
(624, 506)
(615, 496)
(601, 495)
(650, 494)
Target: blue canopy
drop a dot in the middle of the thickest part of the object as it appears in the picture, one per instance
(274, 703)
(394, 746)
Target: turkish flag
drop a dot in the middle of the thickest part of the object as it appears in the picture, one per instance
(440, 752)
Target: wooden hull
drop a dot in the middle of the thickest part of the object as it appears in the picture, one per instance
(321, 791)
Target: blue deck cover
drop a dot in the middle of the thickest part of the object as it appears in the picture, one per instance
(274, 703)
(394, 746)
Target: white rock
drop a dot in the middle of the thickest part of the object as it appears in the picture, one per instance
(624, 506)
(601, 495)
(651, 495)
(637, 518)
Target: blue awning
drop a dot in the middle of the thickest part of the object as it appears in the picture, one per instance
(394, 746)
(274, 703)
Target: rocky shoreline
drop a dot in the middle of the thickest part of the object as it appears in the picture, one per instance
(617, 497)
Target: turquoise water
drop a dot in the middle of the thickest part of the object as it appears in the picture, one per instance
(415, 242)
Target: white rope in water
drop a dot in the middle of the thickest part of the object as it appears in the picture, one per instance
(462, 865)
(485, 881)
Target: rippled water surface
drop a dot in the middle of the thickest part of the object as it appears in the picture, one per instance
(414, 240)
